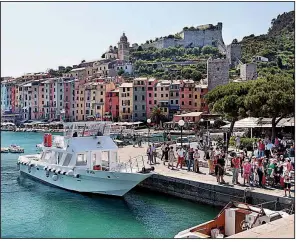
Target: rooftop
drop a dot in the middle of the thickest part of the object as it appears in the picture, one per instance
(78, 69)
(126, 84)
(191, 114)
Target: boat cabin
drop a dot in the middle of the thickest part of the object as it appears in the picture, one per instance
(84, 147)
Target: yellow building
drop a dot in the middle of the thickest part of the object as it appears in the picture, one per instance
(161, 96)
(126, 102)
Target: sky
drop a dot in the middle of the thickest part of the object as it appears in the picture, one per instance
(43, 35)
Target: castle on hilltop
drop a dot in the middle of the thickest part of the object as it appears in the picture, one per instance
(191, 37)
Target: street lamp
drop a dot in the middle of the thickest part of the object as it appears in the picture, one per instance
(148, 132)
(181, 123)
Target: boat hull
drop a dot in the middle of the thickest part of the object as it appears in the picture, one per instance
(98, 182)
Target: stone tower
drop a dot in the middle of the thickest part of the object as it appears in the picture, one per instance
(123, 48)
(248, 71)
(233, 54)
(217, 72)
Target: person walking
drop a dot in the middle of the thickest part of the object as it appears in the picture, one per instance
(167, 149)
(260, 171)
(196, 157)
(149, 156)
(209, 162)
(171, 158)
(287, 182)
(163, 147)
(261, 149)
(169, 137)
(180, 157)
(292, 156)
(235, 169)
(246, 171)
(154, 154)
(134, 140)
(212, 157)
(221, 168)
(190, 159)
(237, 143)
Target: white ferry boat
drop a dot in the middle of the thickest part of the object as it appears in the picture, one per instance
(85, 159)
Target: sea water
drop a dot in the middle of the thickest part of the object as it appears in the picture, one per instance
(31, 209)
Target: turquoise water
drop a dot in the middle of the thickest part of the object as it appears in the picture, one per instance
(30, 209)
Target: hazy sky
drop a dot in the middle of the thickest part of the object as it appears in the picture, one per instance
(38, 36)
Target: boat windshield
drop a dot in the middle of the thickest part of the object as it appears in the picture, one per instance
(84, 129)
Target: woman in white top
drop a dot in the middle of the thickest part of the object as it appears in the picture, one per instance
(171, 157)
(196, 161)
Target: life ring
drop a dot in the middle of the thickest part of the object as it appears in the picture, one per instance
(55, 177)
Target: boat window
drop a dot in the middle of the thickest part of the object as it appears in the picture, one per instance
(81, 160)
(67, 159)
(47, 155)
(59, 157)
(105, 158)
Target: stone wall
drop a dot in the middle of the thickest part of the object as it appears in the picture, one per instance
(217, 72)
(215, 195)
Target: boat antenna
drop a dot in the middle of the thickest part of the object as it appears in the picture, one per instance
(84, 130)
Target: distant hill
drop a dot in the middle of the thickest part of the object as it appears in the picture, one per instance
(278, 45)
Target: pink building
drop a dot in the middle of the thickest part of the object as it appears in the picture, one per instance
(150, 93)
(112, 104)
(187, 96)
(41, 101)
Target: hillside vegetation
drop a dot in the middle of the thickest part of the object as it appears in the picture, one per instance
(278, 45)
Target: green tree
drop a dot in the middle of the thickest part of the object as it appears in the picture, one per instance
(271, 97)
(196, 76)
(228, 100)
(157, 115)
(121, 72)
(68, 68)
(209, 50)
(187, 73)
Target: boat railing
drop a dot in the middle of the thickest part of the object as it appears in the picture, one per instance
(136, 163)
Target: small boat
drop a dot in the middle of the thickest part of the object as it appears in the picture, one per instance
(4, 150)
(84, 161)
(235, 217)
(16, 149)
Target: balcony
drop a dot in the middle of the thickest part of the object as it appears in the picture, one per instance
(163, 104)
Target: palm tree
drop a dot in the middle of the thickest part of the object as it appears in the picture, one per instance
(157, 115)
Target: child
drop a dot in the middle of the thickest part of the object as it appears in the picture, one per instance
(287, 182)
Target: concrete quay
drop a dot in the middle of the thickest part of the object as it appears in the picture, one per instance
(279, 229)
(203, 187)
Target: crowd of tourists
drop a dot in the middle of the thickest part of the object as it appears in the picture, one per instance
(270, 164)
